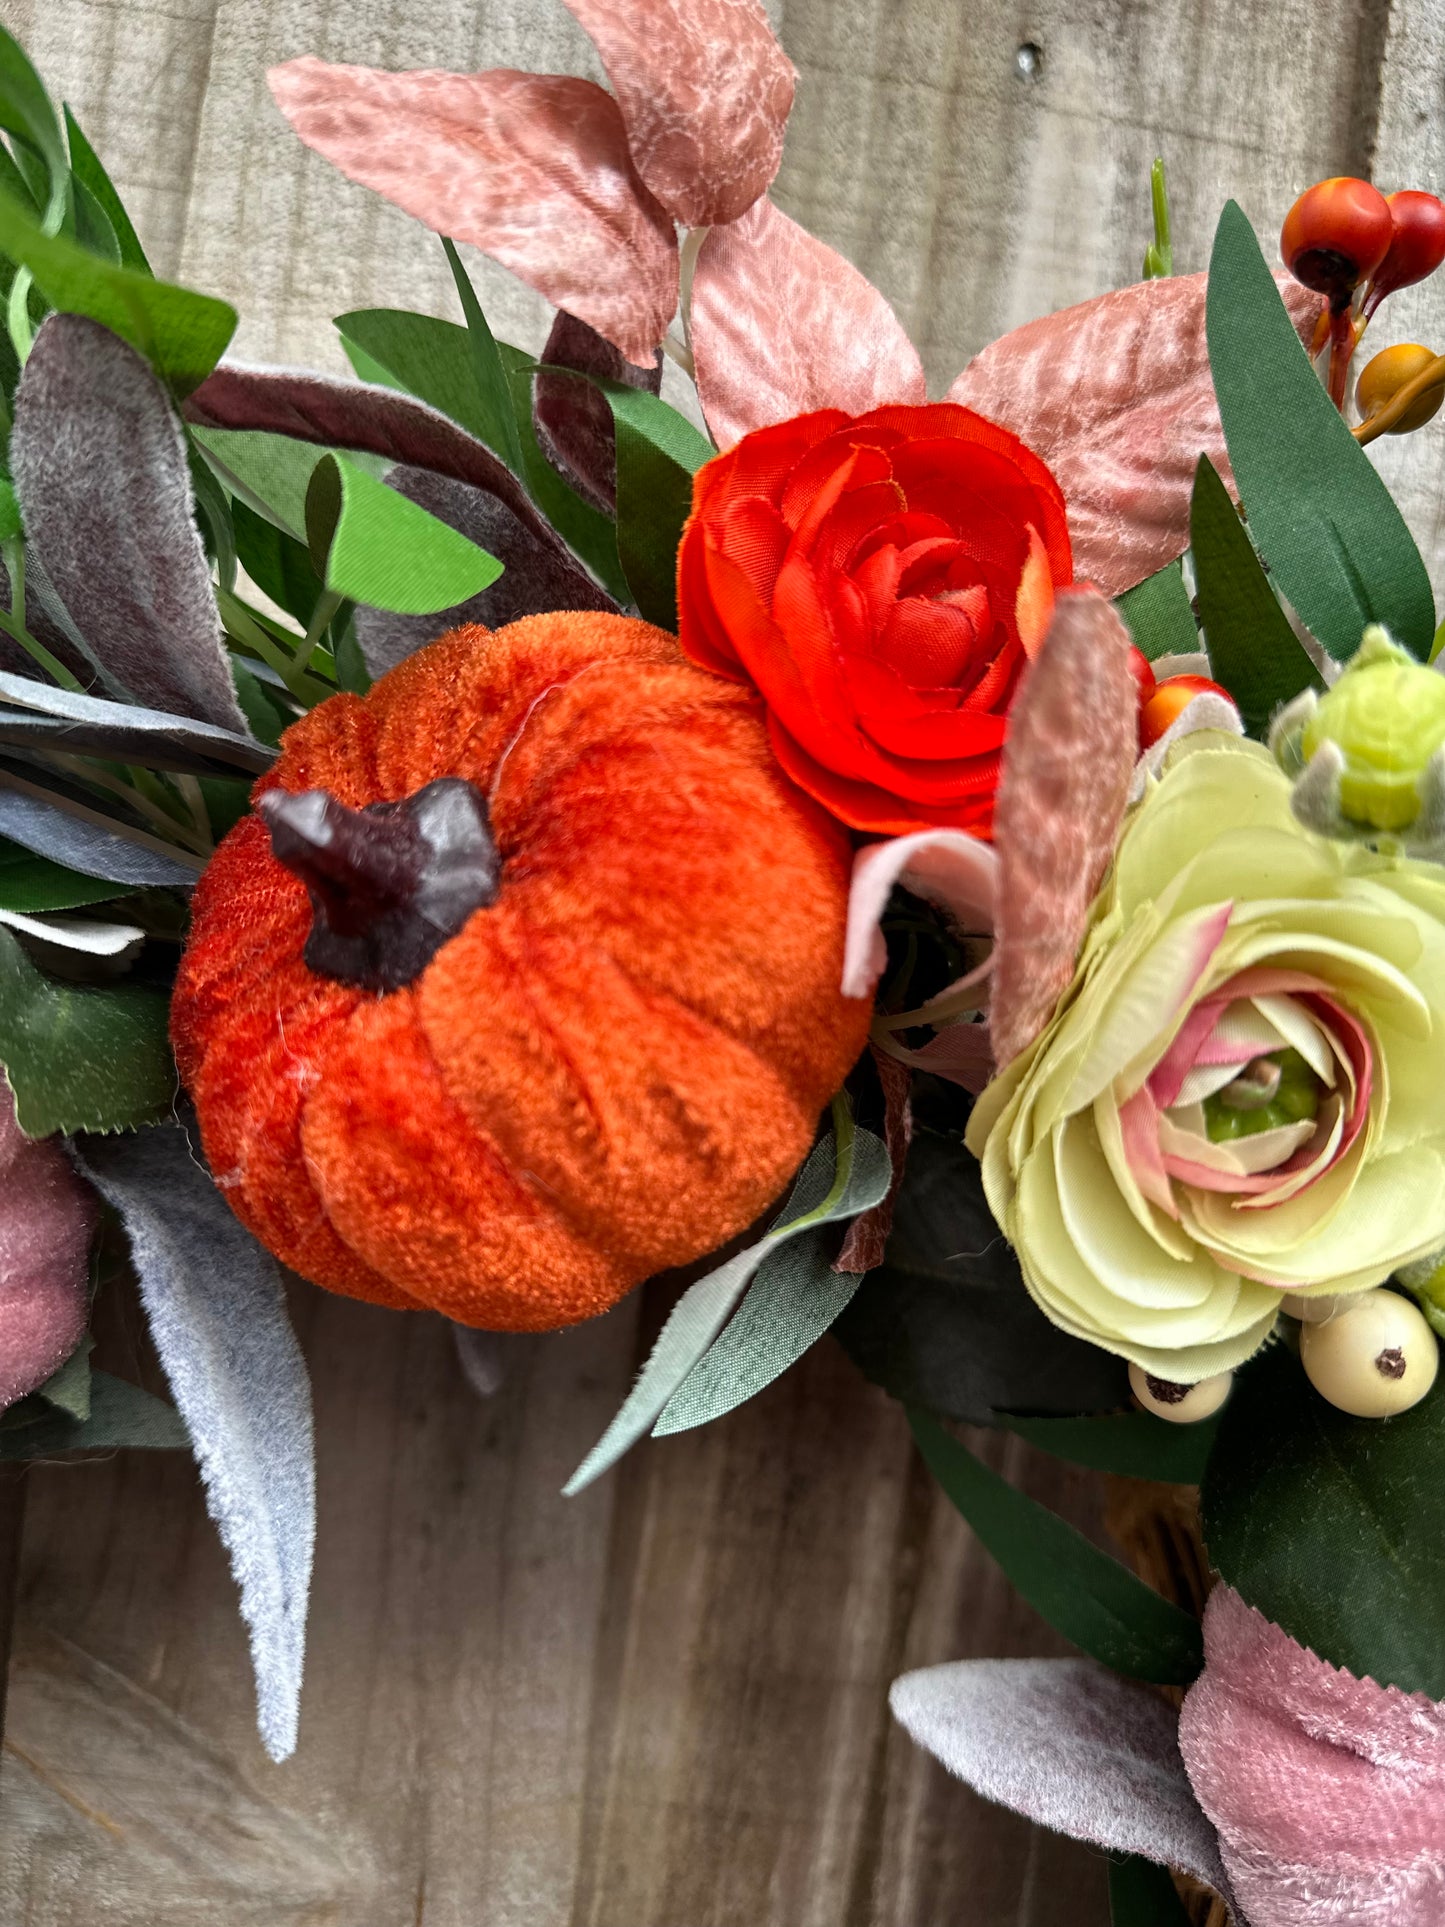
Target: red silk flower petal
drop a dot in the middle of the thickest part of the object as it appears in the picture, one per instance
(782, 325)
(531, 168)
(1066, 769)
(1115, 395)
(705, 91)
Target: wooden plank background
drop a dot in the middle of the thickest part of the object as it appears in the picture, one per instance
(660, 1705)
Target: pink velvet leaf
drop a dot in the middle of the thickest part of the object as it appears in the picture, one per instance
(950, 869)
(1328, 1791)
(1115, 395)
(782, 325)
(705, 91)
(531, 168)
(47, 1218)
(1067, 763)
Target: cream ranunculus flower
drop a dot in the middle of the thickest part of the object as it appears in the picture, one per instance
(1242, 1092)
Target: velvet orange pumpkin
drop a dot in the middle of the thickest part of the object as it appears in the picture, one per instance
(509, 1069)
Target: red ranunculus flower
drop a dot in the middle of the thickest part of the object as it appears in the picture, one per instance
(882, 580)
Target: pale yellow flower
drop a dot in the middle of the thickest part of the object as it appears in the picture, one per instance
(1242, 1093)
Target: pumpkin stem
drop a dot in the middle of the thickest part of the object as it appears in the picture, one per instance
(389, 884)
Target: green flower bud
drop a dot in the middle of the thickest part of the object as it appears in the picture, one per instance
(1386, 717)
(1426, 1282)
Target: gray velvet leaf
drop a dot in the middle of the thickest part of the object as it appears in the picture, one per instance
(573, 419)
(99, 463)
(47, 829)
(217, 1313)
(535, 577)
(1070, 1745)
(40, 716)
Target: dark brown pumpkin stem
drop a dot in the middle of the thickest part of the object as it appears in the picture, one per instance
(389, 884)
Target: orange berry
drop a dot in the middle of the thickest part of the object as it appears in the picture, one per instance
(1168, 703)
(1336, 235)
(1383, 378)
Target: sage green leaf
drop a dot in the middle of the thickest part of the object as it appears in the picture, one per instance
(1133, 1445)
(793, 1299)
(1253, 651)
(121, 1415)
(496, 424)
(1084, 1594)
(1325, 522)
(180, 333)
(81, 1057)
(1142, 1894)
(1158, 615)
(25, 110)
(33, 884)
(377, 547)
(1333, 1526)
(86, 168)
(68, 1390)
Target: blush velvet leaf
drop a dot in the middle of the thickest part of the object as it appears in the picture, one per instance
(1116, 396)
(531, 168)
(781, 324)
(705, 92)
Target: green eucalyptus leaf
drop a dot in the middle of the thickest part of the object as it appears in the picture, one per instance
(81, 1057)
(180, 333)
(68, 1390)
(1084, 1594)
(1253, 651)
(375, 546)
(1158, 615)
(1132, 1445)
(86, 169)
(1333, 1526)
(1325, 522)
(33, 884)
(121, 1415)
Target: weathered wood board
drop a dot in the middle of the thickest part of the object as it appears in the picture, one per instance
(663, 1704)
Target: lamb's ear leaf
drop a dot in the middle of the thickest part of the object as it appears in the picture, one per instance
(1253, 652)
(1084, 1594)
(217, 1312)
(374, 545)
(86, 166)
(82, 1057)
(1158, 614)
(109, 513)
(1071, 1746)
(1322, 516)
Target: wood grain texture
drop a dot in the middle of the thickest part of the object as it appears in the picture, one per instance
(662, 1704)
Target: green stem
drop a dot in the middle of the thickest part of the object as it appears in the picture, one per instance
(327, 603)
(245, 630)
(1159, 255)
(13, 621)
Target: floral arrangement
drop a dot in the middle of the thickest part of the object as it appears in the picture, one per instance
(944, 873)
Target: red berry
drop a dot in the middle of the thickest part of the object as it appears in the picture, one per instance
(1143, 674)
(1336, 235)
(1417, 247)
(1169, 701)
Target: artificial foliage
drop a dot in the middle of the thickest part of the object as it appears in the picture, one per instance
(958, 878)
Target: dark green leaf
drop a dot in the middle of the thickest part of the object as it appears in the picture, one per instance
(1142, 1894)
(121, 1415)
(351, 671)
(381, 549)
(181, 334)
(1159, 616)
(658, 453)
(495, 422)
(1332, 1526)
(1324, 521)
(279, 565)
(1252, 649)
(33, 884)
(946, 1322)
(227, 799)
(25, 110)
(265, 709)
(68, 1390)
(86, 167)
(14, 183)
(1084, 1594)
(92, 228)
(1135, 1445)
(81, 1058)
